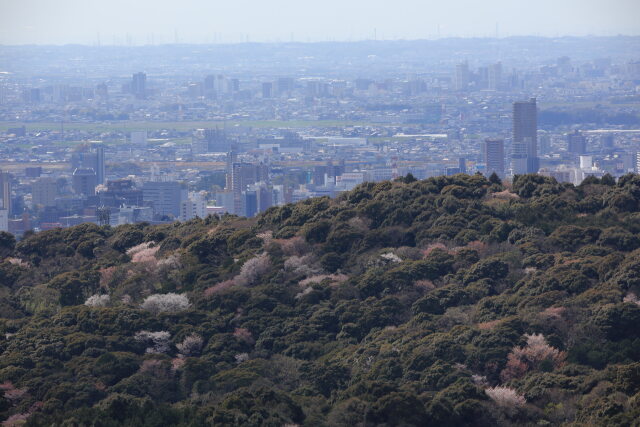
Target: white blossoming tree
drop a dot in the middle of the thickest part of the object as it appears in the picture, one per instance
(166, 303)
(98, 301)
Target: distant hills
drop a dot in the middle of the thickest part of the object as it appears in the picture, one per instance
(361, 58)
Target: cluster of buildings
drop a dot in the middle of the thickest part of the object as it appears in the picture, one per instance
(591, 153)
(244, 173)
(194, 136)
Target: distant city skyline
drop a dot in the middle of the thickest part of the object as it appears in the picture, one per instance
(198, 21)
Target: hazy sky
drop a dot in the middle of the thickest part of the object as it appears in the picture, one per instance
(199, 21)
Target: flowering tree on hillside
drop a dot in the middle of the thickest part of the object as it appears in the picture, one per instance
(536, 354)
(98, 301)
(506, 398)
(166, 303)
(252, 270)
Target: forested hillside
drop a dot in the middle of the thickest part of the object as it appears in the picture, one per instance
(451, 301)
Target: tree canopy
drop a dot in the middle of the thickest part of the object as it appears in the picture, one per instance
(454, 300)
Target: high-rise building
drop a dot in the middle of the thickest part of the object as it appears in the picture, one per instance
(165, 196)
(461, 77)
(100, 165)
(525, 132)
(544, 143)
(576, 143)
(209, 87)
(494, 156)
(217, 141)
(264, 197)
(32, 96)
(267, 90)
(83, 159)
(93, 159)
(626, 162)
(586, 162)
(519, 158)
(285, 85)
(232, 157)
(494, 76)
(280, 195)
(320, 176)
(5, 191)
(234, 85)
(221, 84)
(462, 165)
(194, 206)
(4, 220)
(44, 191)
(240, 175)
(326, 174)
(249, 203)
(139, 85)
(17, 205)
(225, 200)
(121, 192)
(84, 181)
(60, 93)
(131, 215)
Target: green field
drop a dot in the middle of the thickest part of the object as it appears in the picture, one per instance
(128, 126)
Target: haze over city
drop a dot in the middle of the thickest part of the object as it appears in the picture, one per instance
(334, 213)
(200, 21)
